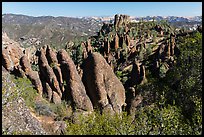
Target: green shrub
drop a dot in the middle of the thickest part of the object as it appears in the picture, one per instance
(22, 87)
(26, 90)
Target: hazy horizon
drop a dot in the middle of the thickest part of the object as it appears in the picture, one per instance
(98, 9)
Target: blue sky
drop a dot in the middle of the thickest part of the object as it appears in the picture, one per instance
(76, 9)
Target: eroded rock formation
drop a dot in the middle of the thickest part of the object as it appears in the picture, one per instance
(48, 73)
(74, 83)
(11, 53)
(103, 87)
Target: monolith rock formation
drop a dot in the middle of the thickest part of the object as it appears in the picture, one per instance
(103, 87)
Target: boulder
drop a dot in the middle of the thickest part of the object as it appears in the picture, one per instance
(102, 85)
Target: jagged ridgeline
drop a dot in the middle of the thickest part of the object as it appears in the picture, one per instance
(102, 72)
(131, 47)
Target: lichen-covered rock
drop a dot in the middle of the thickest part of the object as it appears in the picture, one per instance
(74, 83)
(102, 86)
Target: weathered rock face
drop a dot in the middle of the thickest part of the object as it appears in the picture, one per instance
(32, 75)
(6, 60)
(88, 46)
(56, 98)
(49, 92)
(53, 62)
(30, 53)
(103, 87)
(26, 66)
(48, 73)
(127, 38)
(74, 83)
(116, 42)
(35, 79)
(135, 74)
(121, 20)
(11, 53)
(134, 103)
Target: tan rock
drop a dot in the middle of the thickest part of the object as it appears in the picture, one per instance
(49, 92)
(74, 83)
(102, 86)
(11, 53)
(56, 98)
(116, 42)
(35, 79)
(48, 73)
(53, 62)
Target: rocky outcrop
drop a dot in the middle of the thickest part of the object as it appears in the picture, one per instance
(32, 75)
(116, 42)
(30, 53)
(48, 73)
(103, 87)
(75, 86)
(56, 98)
(121, 20)
(53, 62)
(49, 92)
(11, 53)
(137, 75)
(134, 103)
(88, 46)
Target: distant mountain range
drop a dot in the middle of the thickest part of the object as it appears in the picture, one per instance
(59, 30)
(47, 29)
(157, 18)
